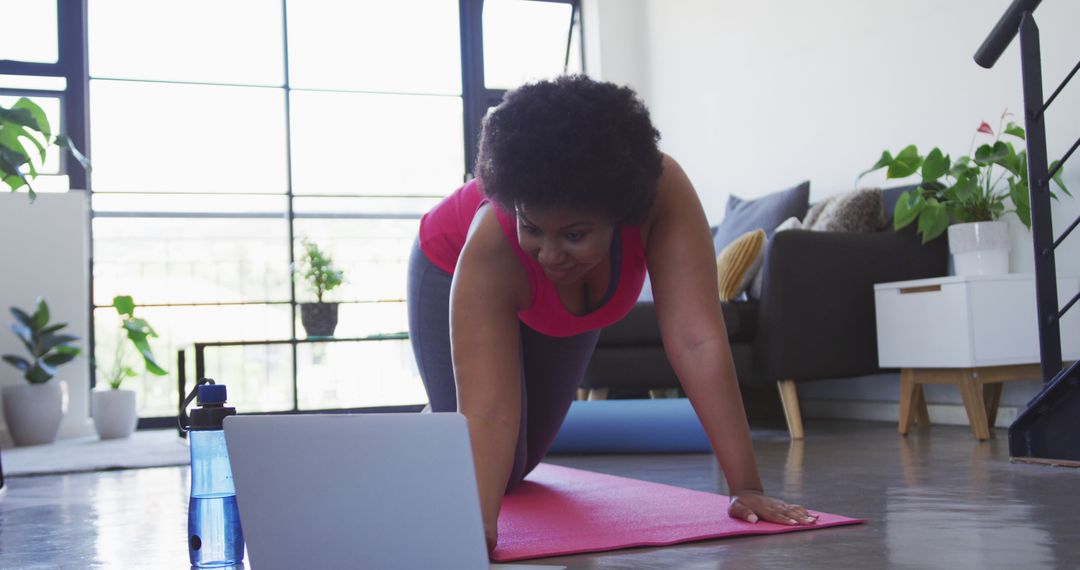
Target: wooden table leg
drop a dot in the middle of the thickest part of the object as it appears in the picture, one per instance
(992, 395)
(972, 393)
(908, 398)
(922, 411)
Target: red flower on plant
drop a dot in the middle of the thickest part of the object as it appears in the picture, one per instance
(985, 128)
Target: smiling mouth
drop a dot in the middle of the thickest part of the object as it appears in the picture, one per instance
(559, 270)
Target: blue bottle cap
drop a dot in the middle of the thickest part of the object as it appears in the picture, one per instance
(212, 394)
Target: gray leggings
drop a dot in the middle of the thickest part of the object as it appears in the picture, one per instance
(551, 367)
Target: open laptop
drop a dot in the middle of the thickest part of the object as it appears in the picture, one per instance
(358, 491)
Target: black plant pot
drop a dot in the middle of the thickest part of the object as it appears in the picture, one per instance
(319, 319)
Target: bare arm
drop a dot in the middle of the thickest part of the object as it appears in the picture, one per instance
(682, 268)
(487, 290)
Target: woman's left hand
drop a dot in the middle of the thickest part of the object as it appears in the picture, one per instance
(752, 506)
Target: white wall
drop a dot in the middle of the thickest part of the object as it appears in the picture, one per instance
(43, 252)
(753, 97)
(617, 42)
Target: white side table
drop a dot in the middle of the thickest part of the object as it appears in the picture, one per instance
(972, 331)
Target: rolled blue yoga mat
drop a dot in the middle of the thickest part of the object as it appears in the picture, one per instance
(631, 426)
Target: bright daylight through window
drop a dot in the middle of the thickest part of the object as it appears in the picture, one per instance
(224, 134)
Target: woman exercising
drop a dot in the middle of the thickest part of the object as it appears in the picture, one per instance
(515, 273)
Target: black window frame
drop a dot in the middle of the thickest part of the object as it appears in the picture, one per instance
(73, 65)
(477, 98)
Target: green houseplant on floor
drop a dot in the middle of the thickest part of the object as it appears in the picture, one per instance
(318, 272)
(114, 409)
(967, 196)
(33, 411)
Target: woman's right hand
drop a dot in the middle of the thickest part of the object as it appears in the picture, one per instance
(491, 533)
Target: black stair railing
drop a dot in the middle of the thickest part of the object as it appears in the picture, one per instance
(1048, 430)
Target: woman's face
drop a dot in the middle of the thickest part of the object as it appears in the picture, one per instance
(566, 244)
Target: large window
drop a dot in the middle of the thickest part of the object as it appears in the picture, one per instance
(223, 133)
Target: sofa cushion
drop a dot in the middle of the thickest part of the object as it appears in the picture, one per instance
(764, 213)
(739, 262)
(856, 211)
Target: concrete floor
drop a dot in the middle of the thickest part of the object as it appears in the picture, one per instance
(935, 499)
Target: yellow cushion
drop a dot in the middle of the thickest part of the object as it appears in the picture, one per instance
(739, 262)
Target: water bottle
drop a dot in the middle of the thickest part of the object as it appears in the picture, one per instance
(215, 537)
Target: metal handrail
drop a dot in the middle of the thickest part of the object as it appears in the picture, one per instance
(1057, 167)
(1004, 32)
(1048, 429)
(1062, 86)
(1019, 19)
(1046, 292)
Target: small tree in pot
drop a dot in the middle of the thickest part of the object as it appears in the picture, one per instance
(318, 272)
(33, 411)
(114, 409)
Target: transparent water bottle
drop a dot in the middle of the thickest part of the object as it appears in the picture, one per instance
(215, 537)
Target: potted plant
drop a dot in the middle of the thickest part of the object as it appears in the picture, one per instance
(318, 272)
(24, 132)
(33, 411)
(967, 196)
(114, 409)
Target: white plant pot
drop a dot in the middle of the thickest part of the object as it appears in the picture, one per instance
(114, 413)
(33, 412)
(980, 248)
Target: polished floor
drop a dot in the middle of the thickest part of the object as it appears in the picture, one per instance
(935, 499)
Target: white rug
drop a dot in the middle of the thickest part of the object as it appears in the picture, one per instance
(149, 448)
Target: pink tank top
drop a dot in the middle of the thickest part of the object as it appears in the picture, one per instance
(442, 236)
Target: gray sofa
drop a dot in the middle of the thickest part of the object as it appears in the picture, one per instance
(814, 319)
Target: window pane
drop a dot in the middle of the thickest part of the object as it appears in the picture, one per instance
(365, 207)
(405, 46)
(31, 34)
(151, 137)
(130, 203)
(160, 261)
(239, 41)
(356, 375)
(524, 41)
(358, 143)
(373, 254)
(37, 82)
(259, 378)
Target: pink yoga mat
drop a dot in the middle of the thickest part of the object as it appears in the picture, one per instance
(558, 511)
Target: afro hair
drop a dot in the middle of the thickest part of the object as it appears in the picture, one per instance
(571, 143)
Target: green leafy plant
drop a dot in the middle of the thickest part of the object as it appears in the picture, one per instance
(318, 271)
(48, 348)
(967, 189)
(25, 133)
(138, 332)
